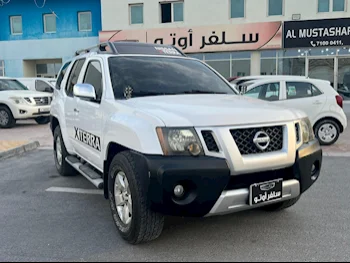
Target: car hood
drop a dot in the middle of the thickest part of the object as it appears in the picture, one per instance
(23, 94)
(212, 110)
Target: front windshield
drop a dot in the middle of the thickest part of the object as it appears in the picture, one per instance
(11, 84)
(138, 76)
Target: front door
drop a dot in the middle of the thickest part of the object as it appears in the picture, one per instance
(89, 127)
(322, 68)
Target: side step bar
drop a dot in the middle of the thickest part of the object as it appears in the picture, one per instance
(86, 171)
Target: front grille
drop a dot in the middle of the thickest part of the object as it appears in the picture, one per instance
(210, 141)
(244, 139)
(42, 101)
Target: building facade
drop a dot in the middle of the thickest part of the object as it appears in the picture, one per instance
(37, 36)
(242, 37)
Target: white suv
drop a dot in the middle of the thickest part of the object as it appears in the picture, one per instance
(164, 134)
(317, 98)
(19, 103)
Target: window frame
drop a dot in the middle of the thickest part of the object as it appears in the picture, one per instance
(11, 25)
(143, 13)
(45, 24)
(85, 68)
(79, 19)
(172, 11)
(268, 9)
(331, 7)
(244, 10)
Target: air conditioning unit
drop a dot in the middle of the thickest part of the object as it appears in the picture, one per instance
(296, 16)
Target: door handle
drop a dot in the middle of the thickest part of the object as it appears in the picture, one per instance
(318, 102)
(76, 110)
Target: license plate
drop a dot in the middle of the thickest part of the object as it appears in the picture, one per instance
(266, 192)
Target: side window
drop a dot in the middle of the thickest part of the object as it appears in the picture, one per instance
(43, 86)
(93, 76)
(73, 76)
(298, 90)
(315, 91)
(254, 93)
(61, 75)
(272, 92)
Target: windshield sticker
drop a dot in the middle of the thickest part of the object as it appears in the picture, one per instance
(128, 92)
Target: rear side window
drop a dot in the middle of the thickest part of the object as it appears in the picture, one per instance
(74, 75)
(61, 75)
(298, 90)
(269, 92)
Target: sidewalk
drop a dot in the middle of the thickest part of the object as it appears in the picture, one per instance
(13, 148)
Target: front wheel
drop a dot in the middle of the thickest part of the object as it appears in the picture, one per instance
(327, 132)
(60, 154)
(135, 221)
(6, 118)
(42, 120)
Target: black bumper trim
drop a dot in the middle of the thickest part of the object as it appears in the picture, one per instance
(205, 178)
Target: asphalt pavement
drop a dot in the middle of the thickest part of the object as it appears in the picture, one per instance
(39, 225)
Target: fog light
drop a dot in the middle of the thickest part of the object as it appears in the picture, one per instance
(179, 191)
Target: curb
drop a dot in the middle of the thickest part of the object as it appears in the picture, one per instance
(19, 150)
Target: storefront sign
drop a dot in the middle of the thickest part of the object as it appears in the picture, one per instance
(207, 39)
(317, 33)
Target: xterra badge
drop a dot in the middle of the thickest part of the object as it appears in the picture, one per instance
(88, 138)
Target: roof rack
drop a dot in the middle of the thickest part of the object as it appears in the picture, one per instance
(131, 47)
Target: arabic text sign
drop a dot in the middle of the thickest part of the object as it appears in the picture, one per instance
(207, 39)
(317, 33)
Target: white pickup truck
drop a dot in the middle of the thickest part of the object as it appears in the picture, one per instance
(164, 134)
(19, 103)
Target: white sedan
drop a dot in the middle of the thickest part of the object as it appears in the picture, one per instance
(19, 103)
(315, 97)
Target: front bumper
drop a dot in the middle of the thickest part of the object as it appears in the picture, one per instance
(210, 188)
(20, 111)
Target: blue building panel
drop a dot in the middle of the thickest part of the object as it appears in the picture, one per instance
(22, 53)
(33, 18)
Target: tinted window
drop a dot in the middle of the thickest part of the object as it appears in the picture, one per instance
(74, 75)
(148, 76)
(43, 86)
(275, 7)
(237, 8)
(268, 92)
(297, 90)
(93, 76)
(61, 75)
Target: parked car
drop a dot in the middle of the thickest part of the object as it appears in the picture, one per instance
(164, 134)
(317, 98)
(238, 82)
(39, 84)
(19, 103)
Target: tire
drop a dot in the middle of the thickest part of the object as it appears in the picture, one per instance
(320, 130)
(42, 120)
(281, 206)
(144, 225)
(6, 118)
(64, 168)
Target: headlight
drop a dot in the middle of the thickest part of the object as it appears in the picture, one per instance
(18, 100)
(179, 141)
(307, 130)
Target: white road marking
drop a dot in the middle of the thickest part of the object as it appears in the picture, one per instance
(336, 154)
(75, 190)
